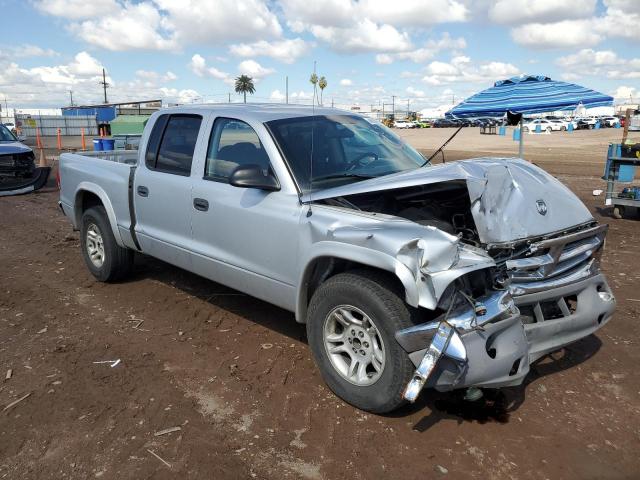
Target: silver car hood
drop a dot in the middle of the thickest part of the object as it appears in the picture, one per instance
(511, 199)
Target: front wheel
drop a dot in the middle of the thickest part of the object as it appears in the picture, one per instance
(106, 260)
(351, 325)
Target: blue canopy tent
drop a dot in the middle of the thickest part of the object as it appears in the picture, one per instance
(528, 94)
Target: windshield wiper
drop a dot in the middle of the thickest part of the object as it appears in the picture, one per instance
(343, 175)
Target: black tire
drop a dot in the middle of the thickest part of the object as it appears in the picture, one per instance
(377, 295)
(525, 129)
(117, 261)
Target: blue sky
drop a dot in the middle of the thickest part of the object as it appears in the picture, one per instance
(431, 53)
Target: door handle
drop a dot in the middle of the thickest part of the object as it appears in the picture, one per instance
(143, 191)
(200, 204)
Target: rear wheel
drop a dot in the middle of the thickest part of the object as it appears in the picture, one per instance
(105, 259)
(548, 129)
(525, 129)
(351, 325)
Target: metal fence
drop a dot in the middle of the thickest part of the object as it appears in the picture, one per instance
(48, 125)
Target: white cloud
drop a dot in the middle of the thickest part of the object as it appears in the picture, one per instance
(414, 13)
(128, 27)
(76, 9)
(340, 13)
(198, 66)
(346, 82)
(196, 21)
(510, 12)
(621, 19)
(567, 33)
(415, 93)
(604, 63)
(626, 94)
(277, 96)
(286, 51)
(26, 50)
(164, 24)
(364, 36)
(462, 69)
(430, 49)
(254, 69)
(49, 85)
(151, 76)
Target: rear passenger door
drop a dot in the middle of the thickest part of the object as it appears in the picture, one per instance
(162, 188)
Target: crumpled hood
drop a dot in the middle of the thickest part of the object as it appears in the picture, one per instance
(511, 199)
(13, 147)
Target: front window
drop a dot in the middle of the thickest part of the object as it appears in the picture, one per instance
(6, 135)
(327, 151)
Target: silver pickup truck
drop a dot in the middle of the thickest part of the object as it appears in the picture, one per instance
(407, 275)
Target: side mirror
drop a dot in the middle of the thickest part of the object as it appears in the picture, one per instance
(253, 176)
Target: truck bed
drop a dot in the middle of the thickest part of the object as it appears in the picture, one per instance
(106, 175)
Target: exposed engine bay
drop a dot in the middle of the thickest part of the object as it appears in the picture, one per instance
(445, 206)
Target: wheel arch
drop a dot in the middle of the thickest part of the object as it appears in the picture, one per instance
(91, 195)
(325, 264)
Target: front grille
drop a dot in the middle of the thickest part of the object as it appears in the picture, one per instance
(17, 163)
(6, 161)
(557, 256)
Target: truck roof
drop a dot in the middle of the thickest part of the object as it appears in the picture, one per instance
(260, 112)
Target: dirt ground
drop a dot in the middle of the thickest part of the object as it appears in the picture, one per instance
(236, 376)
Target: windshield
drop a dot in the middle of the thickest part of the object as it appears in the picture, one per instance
(6, 135)
(345, 149)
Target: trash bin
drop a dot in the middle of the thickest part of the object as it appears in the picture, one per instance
(97, 144)
(107, 144)
(502, 131)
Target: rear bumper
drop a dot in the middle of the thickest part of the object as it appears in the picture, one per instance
(499, 354)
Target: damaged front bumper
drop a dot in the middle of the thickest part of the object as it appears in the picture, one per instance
(490, 343)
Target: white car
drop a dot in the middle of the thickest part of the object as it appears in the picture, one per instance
(564, 124)
(545, 125)
(402, 124)
(610, 121)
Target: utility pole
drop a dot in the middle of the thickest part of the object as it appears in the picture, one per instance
(105, 85)
(286, 89)
(71, 98)
(393, 106)
(331, 102)
(407, 108)
(229, 97)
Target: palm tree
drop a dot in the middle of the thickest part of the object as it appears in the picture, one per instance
(314, 82)
(244, 85)
(322, 83)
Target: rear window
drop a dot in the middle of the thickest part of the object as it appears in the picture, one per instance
(172, 143)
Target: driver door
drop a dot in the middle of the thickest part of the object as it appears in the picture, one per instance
(244, 237)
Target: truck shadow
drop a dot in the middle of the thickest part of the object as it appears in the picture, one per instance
(222, 297)
(497, 405)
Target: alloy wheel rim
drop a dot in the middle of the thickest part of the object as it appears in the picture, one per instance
(95, 245)
(354, 345)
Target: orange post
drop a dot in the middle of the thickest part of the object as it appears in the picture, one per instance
(84, 147)
(38, 140)
(59, 140)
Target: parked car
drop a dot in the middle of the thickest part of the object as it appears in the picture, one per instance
(588, 122)
(422, 124)
(445, 123)
(545, 125)
(610, 121)
(11, 127)
(564, 124)
(16, 159)
(407, 275)
(402, 124)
